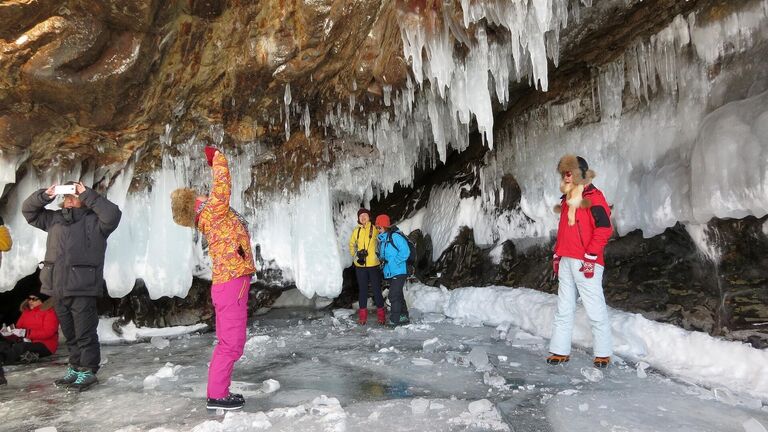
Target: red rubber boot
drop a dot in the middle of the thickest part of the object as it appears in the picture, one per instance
(381, 316)
(362, 316)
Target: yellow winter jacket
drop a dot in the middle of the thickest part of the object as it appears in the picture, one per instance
(364, 237)
(229, 244)
(5, 239)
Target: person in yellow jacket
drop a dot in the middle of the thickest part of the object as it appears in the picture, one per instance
(5, 239)
(229, 246)
(362, 247)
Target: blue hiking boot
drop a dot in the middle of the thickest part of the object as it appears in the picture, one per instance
(69, 378)
(85, 380)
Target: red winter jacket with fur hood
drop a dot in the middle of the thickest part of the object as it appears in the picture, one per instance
(41, 324)
(590, 233)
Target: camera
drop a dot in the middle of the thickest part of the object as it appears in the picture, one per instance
(361, 256)
(64, 190)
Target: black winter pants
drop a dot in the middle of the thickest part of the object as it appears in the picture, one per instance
(397, 306)
(372, 275)
(79, 319)
(11, 352)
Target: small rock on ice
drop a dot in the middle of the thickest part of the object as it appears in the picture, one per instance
(479, 357)
(260, 339)
(159, 342)
(422, 362)
(480, 406)
(260, 421)
(494, 380)
(168, 371)
(592, 374)
(429, 345)
(419, 406)
(641, 367)
(270, 386)
(343, 313)
(151, 382)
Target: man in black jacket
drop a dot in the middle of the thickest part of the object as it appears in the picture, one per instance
(73, 270)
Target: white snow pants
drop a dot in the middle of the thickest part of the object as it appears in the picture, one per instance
(591, 293)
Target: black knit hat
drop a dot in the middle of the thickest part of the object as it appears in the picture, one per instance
(363, 210)
(38, 294)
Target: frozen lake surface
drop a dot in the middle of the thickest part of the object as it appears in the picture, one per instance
(313, 371)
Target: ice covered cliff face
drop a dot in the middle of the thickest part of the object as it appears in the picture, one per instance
(674, 125)
(325, 115)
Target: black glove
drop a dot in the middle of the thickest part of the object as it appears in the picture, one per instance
(2, 222)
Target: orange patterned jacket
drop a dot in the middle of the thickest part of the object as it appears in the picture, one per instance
(229, 244)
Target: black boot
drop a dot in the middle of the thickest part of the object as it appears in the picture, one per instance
(231, 402)
(3, 381)
(29, 357)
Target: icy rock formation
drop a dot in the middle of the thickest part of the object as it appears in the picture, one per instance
(665, 99)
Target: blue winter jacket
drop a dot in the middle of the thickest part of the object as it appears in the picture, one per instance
(394, 251)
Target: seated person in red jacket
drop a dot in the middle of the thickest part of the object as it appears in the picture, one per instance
(36, 333)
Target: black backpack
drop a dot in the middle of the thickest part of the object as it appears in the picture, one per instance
(410, 262)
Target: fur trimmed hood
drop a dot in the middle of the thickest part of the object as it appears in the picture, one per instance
(578, 166)
(183, 206)
(48, 304)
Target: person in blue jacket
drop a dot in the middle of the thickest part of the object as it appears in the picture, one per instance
(393, 253)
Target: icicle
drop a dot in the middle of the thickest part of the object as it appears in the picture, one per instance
(287, 102)
(611, 88)
(306, 120)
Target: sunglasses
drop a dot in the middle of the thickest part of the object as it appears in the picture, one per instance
(567, 174)
(33, 298)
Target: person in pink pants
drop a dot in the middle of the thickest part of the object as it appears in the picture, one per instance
(229, 246)
(230, 301)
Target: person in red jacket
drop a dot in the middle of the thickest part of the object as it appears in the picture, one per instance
(36, 333)
(578, 262)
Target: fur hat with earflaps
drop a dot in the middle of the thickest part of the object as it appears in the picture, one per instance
(578, 167)
(582, 176)
(183, 206)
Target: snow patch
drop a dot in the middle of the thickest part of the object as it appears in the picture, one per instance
(131, 333)
(691, 355)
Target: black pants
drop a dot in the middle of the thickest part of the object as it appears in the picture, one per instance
(79, 320)
(11, 352)
(397, 304)
(372, 275)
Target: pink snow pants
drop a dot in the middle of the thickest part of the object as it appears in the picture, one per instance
(230, 301)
